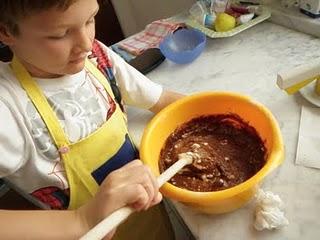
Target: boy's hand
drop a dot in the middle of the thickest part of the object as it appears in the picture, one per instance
(132, 185)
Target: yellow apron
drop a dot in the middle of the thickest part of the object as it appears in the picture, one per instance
(88, 161)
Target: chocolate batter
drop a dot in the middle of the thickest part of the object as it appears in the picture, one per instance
(226, 152)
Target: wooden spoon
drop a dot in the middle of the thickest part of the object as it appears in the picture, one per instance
(117, 217)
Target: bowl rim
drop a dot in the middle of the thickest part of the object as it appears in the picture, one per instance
(277, 153)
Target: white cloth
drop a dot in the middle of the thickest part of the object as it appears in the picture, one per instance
(308, 151)
(29, 159)
(269, 211)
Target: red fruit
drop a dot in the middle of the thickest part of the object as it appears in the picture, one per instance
(240, 9)
(232, 13)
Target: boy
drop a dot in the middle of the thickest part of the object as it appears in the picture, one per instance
(120, 188)
(64, 131)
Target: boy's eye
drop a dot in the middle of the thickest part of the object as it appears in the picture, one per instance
(58, 36)
(61, 36)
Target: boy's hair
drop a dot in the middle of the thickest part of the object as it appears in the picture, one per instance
(11, 11)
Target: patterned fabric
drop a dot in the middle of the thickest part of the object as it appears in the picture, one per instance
(105, 66)
(122, 53)
(150, 37)
(54, 197)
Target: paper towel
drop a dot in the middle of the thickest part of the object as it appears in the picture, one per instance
(269, 212)
(308, 151)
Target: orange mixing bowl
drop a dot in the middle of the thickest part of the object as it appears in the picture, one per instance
(257, 116)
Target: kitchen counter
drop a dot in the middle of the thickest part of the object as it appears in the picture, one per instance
(248, 63)
(292, 18)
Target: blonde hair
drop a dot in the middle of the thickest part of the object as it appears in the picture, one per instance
(14, 10)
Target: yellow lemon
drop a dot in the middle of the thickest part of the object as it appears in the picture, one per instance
(224, 22)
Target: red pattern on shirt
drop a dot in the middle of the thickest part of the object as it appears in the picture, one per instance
(50, 197)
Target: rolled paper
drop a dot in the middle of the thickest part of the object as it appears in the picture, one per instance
(294, 79)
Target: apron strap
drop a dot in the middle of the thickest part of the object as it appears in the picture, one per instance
(98, 75)
(105, 66)
(41, 103)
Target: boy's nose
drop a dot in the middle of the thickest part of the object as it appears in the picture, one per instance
(84, 41)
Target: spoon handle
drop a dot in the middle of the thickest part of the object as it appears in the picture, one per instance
(118, 216)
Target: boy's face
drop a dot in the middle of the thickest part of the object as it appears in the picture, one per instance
(55, 42)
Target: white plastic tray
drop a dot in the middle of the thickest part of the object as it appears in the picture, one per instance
(263, 15)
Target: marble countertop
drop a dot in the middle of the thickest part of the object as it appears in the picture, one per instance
(248, 63)
(292, 18)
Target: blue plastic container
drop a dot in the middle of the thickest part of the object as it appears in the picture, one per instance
(183, 46)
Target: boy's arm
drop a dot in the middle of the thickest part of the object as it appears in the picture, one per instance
(40, 224)
(43, 224)
(133, 185)
(165, 99)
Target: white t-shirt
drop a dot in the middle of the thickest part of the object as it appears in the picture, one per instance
(29, 159)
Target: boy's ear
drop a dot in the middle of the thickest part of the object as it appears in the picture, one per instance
(5, 36)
